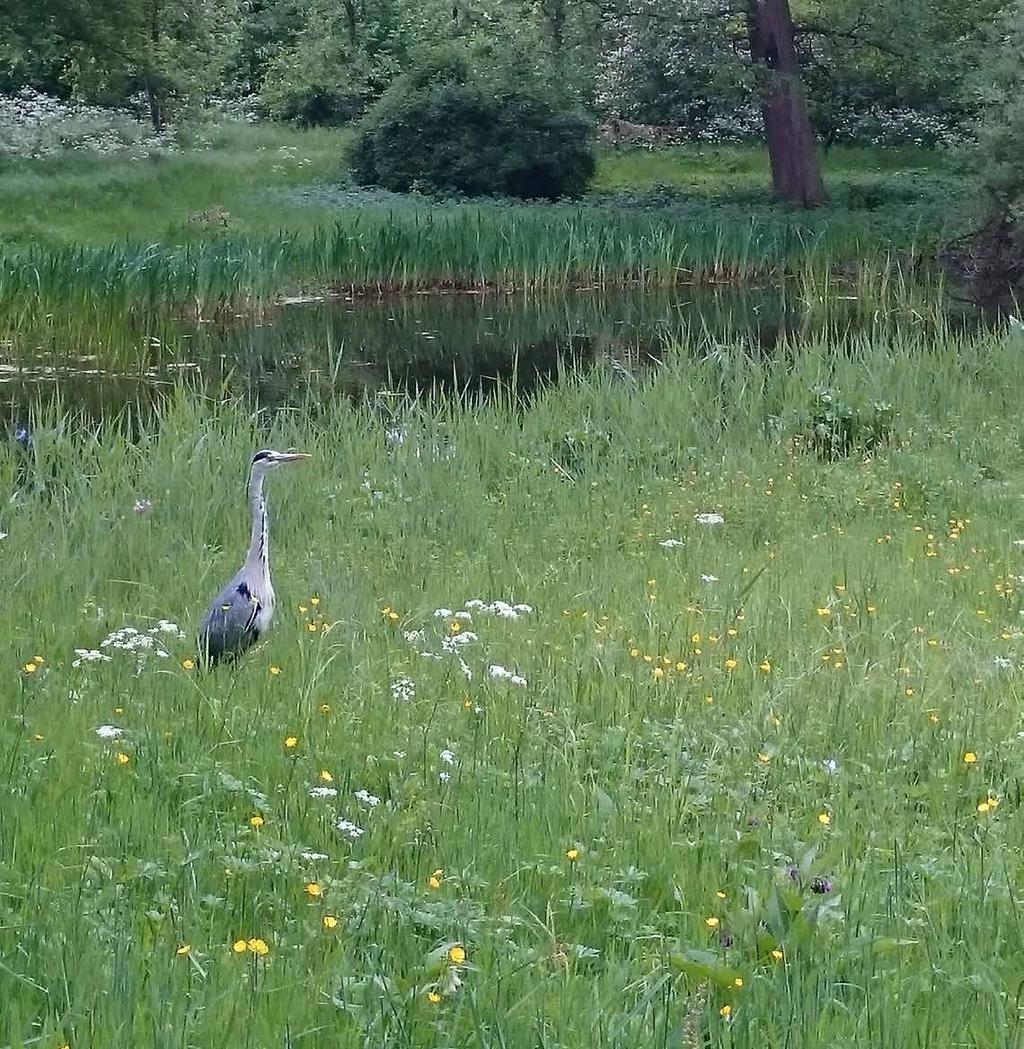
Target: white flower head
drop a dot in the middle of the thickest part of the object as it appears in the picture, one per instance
(349, 829)
(500, 673)
(403, 690)
(367, 798)
(670, 544)
(323, 792)
(109, 732)
(710, 518)
(89, 655)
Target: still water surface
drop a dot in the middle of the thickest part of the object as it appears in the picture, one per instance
(468, 344)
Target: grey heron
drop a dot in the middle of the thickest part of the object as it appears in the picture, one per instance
(240, 614)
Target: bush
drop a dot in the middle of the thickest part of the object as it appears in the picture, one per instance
(833, 429)
(443, 129)
(992, 258)
(36, 125)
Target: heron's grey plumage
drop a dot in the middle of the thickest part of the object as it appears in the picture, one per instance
(240, 614)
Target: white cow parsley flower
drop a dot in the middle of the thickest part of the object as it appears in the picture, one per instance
(349, 829)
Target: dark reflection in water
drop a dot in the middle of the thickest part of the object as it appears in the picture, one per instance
(465, 344)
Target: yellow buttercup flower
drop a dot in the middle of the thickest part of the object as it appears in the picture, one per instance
(239, 946)
(258, 947)
(970, 757)
(183, 950)
(291, 742)
(824, 819)
(457, 954)
(188, 664)
(256, 820)
(712, 922)
(314, 889)
(122, 758)
(330, 922)
(572, 854)
(433, 997)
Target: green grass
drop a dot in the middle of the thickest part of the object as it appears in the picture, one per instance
(717, 171)
(83, 199)
(862, 614)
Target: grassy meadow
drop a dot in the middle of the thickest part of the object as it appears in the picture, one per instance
(741, 767)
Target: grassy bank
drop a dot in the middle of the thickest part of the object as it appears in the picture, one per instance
(761, 773)
(259, 212)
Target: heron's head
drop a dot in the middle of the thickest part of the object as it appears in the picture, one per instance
(267, 460)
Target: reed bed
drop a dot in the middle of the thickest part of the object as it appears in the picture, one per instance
(468, 249)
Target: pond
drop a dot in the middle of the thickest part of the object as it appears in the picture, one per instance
(469, 344)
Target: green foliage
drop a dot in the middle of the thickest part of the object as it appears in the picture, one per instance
(992, 258)
(169, 53)
(834, 428)
(445, 129)
(998, 89)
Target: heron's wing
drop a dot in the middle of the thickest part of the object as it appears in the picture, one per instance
(229, 627)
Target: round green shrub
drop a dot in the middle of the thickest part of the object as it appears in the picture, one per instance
(444, 129)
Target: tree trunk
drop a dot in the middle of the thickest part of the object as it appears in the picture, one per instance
(796, 166)
(555, 15)
(153, 100)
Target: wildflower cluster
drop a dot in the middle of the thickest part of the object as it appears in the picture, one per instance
(33, 124)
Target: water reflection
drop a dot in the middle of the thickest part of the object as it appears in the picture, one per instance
(466, 344)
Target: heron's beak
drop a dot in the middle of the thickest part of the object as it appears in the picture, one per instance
(293, 457)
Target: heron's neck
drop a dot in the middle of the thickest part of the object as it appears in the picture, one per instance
(259, 542)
